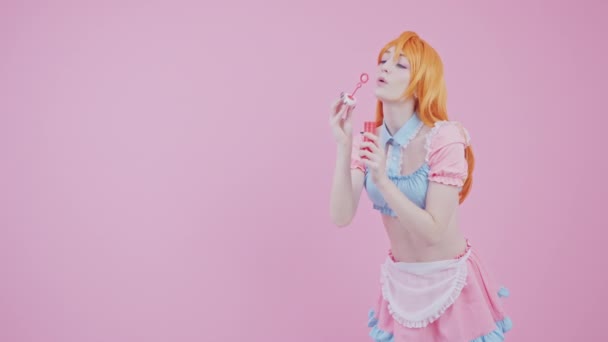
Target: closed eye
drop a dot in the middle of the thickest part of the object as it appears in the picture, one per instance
(399, 64)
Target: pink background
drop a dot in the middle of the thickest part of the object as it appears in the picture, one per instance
(166, 166)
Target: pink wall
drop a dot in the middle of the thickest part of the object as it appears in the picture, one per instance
(158, 162)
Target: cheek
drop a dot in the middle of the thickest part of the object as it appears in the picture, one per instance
(397, 87)
(402, 82)
(404, 78)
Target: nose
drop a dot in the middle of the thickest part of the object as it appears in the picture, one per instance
(387, 66)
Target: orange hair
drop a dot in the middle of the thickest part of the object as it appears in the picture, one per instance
(427, 82)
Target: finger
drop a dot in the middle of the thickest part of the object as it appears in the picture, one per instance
(336, 106)
(336, 102)
(336, 119)
(369, 155)
(370, 164)
(363, 152)
(372, 146)
(339, 115)
(343, 111)
(371, 136)
(349, 111)
(339, 109)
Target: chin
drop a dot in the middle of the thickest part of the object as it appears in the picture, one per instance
(381, 94)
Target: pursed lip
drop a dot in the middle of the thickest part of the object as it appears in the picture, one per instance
(382, 80)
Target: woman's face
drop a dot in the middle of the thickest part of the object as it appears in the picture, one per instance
(393, 77)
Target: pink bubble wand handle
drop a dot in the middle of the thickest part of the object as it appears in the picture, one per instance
(363, 79)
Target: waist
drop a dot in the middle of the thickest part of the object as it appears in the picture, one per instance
(406, 246)
(429, 256)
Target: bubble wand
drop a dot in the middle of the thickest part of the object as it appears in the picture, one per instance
(349, 99)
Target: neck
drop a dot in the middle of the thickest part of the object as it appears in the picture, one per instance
(396, 114)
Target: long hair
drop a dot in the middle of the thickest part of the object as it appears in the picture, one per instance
(427, 81)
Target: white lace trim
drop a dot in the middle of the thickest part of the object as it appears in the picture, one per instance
(431, 134)
(437, 308)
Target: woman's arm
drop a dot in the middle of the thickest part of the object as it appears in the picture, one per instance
(429, 223)
(347, 186)
(447, 173)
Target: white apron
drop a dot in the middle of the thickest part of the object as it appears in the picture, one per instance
(419, 293)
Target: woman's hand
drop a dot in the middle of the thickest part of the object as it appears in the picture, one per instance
(340, 121)
(374, 158)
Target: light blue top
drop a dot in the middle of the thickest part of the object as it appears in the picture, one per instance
(413, 185)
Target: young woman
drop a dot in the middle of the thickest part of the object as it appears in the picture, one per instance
(416, 169)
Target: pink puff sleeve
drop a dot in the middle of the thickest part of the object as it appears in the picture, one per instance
(355, 159)
(446, 145)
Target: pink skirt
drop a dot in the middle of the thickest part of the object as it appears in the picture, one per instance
(474, 314)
